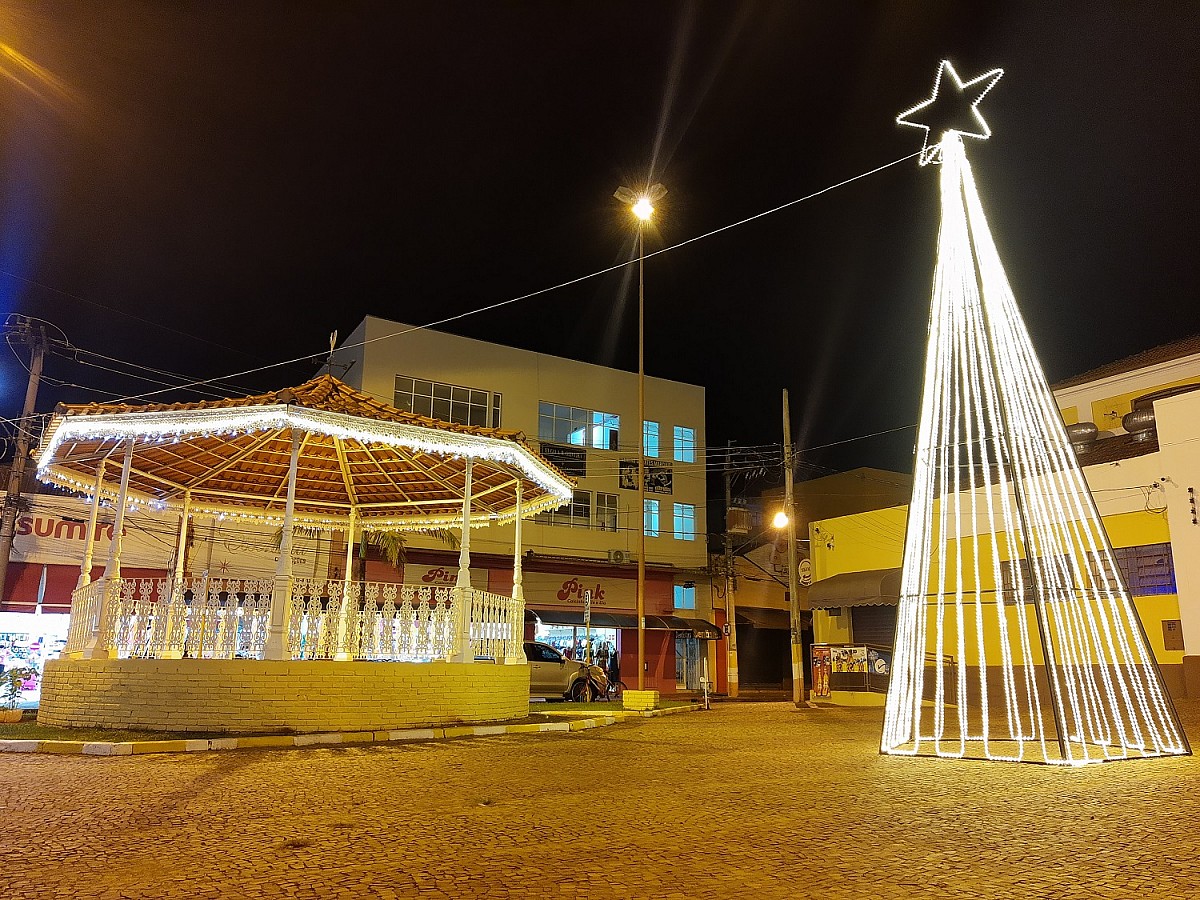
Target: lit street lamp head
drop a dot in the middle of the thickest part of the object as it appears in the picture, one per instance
(642, 205)
(780, 520)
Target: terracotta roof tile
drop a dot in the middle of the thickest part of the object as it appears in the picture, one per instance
(1155, 355)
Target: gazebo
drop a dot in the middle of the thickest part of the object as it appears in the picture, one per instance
(236, 653)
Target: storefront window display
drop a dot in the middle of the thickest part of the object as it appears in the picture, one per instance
(26, 642)
(571, 641)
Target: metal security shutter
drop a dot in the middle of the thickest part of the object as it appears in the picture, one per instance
(873, 625)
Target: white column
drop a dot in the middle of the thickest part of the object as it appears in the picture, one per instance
(464, 546)
(516, 644)
(89, 544)
(462, 586)
(173, 649)
(100, 643)
(112, 568)
(281, 596)
(348, 598)
(518, 591)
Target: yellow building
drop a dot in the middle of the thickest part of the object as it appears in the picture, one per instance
(1135, 425)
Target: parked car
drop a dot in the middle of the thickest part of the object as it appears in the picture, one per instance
(554, 677)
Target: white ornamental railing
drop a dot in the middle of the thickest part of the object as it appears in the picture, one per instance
(497, 626)
(203, 618)
(86, 605)
(371, 620)
(224, 618)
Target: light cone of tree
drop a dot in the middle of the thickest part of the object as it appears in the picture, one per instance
(1016, 635)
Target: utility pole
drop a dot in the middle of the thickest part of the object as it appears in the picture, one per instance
(793, 581)
(730, 609)
(36, 338)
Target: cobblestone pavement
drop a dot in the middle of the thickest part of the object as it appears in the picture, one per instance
(748, 800)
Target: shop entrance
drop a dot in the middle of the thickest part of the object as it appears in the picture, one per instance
(687, 662)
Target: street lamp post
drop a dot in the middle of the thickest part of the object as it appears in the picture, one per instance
(642, 206)
(789, 508)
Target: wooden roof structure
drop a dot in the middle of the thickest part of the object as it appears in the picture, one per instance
(395, 469)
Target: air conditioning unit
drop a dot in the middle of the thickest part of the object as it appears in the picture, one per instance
(620, 557)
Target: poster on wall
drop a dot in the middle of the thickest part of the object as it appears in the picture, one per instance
(658, 476)
(820, 671)
(849, 659)
(879, 662)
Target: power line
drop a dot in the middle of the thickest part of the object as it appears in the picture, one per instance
(546, 290)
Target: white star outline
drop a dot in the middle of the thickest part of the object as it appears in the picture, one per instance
(932, 153)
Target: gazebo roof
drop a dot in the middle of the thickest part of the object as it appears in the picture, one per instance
(395, 469)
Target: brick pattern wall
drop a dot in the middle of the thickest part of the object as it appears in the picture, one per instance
(264, 696)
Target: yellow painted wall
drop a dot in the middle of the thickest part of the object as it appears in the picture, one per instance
(874, 540)
(829, 629)
(1107, 413)
(1070, 415)
(249, 695)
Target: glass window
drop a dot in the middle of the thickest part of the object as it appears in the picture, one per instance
(685, 596)
(685, 522)
(650, 438)
(650, 512)
(577, 513)
(1019, 574)
(447, 402)
(1148, 570)
(685, 444)
(606, 511)
(581, 427)
(605, 430)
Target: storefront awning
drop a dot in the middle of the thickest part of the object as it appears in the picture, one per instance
(764, 618)
(698, 627)
(876, 587)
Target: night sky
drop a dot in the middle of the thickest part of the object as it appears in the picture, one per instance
(207, 188)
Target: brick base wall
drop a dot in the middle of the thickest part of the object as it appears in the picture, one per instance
(262, 696)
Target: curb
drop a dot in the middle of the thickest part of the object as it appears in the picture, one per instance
(332, 738)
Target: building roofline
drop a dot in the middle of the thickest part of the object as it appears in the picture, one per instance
(523, 350)
(1163, 353)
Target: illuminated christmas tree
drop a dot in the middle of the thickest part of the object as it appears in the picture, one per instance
(1016, 636)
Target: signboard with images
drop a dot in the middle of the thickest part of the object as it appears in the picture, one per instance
(569, 460)
(848, 659)
(659, 476)
(821, 662)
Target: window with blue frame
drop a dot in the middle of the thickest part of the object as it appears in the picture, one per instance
(650, 438)
(685, 596)
(685, 444)
(651, 517)
(685, 522)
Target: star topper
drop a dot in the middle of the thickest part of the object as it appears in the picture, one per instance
(944, 110)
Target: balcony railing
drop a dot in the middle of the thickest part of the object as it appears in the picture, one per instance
(226, 618)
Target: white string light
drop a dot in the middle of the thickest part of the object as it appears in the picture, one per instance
(172, 426)
(996, 484)
(976, 88)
